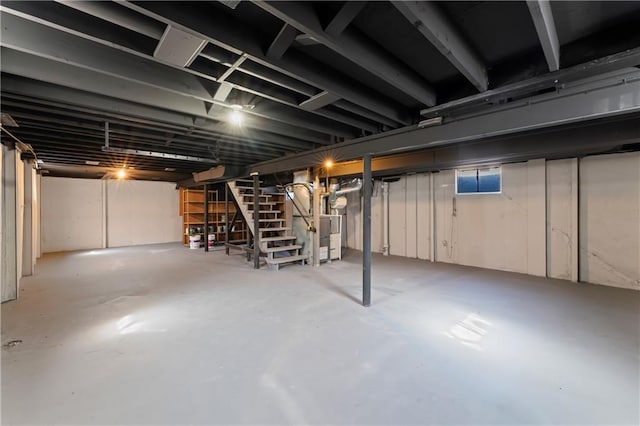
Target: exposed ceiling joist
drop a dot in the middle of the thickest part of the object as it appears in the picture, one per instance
(79, 102)
(281, 43)
(355, 48)
(545, 27)
(434, 25)
(600, 99)
(112, 12)
(319, 101)
(238, 39)
(37, 68)
(223, 92)
(23, 34)
(343, 18)
(618, 61)
(232, 68)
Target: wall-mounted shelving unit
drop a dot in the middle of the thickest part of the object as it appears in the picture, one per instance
(192, 209)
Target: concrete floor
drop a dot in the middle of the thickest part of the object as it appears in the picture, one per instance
(164, 335)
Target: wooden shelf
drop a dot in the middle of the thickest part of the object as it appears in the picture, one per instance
(192, 211)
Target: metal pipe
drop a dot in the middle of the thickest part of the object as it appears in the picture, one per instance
(366, 232)
(256, 221)
(385, 218)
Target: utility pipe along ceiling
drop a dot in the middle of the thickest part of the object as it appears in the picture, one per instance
(166, 89)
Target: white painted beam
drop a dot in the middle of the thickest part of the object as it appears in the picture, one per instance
(434, 25)
(318, 101)
(543, 20)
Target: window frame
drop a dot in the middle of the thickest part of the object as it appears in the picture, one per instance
(477, 169)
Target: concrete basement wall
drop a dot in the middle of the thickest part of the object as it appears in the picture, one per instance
(531, 227)
(610, 220)
(71, 214)
(90, 213)
(142, 212)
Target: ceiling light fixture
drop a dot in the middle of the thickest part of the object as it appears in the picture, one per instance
(236, 116)
(121, 174)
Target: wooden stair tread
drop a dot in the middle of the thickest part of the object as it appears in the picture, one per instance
(286, 259)
(278, 238)
(274, 229)
(281, 248)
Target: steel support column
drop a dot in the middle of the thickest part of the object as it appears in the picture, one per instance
(226, 218)
(206, 217)
(366, 231)
(256, 221)
(316, 218)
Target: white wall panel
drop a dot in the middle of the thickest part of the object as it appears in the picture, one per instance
(536, 242)
(411, 216)
(142, 212)
(562, 194)
(486, 230)
(423, 216)
(398, 217)
(610, 220)
(71, 214)
(19, 214)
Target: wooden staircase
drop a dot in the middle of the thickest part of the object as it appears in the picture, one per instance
(277, 245)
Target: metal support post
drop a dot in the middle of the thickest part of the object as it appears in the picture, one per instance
(226, 218)
(366, 231)
(316, 220)
(256, 221)
(206, 217)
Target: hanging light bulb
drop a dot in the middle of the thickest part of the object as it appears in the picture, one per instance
(236, 116)
(121, 174)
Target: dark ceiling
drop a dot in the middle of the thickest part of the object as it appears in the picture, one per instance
(166, 75)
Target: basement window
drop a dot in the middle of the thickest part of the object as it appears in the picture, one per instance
(486, 180)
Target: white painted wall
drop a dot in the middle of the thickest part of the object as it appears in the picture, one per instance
(82, 213)
(562, 219)
(19, 214)
(498, 231)
(142, 212)
(71, 214)
(610, 220)
(531, 227)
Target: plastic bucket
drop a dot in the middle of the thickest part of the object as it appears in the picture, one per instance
(212, 240)
(194, 242)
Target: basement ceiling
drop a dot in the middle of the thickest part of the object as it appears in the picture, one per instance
(164, 77)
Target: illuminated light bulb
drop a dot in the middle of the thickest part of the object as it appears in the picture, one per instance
(236, 117)
(121, 174)
(328, 164)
